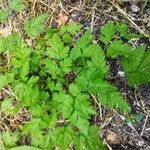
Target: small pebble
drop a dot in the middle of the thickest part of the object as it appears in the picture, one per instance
(112, 137)
(140, 143)
(148, 11)
(73, 15)
(135, 8)
(121, 73)
(148, 25)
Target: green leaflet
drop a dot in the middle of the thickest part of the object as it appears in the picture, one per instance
(82, 83)
(43, 141)
(145, 61)
(17, 5)
(6, 105)
(28, 91)
(63, 137)
(35, 26)
(66, 65)
(9, 139)
(92, 81)
(118, 48)
(74, 90)
(131, 63)
(138, 78)
(131, 59)
(109, 96)
(57, 50)
(74, 108)
(85, 40)
(52, 68)
(107, 32)
(2, 47)
(98, 59)
(62, 102)
(11, 42)
(3, 15)
(80, 114)
(25, 148)
(141, 72)
(122, 28)
(67, 38)
(3, 81)
(34, 126)
(137, 66)
(71, 28)
(75, 53)
(91, 141)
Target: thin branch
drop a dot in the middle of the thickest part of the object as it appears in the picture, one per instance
(144, 125)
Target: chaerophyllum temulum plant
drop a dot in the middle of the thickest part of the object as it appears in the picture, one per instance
(56, 79)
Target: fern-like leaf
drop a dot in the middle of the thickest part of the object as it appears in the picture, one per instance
(85, 40)
(107, 32)
(109, 95)
(118, 48)
(63, 136)
(91, 141)
(35, 26)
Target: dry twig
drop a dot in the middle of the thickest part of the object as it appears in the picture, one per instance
(129, 18)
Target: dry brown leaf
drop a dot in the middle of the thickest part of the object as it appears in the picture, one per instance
(29, 42)
(63, 18)
(5, 31)
(21, 17)
(112, 137)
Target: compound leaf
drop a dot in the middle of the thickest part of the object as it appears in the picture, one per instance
(84, 40)
(25, 148)
(72, 28)
(118, 48)
(3, 15)
(35, 26)
(63, 137)
(17, 5)
(107, 32)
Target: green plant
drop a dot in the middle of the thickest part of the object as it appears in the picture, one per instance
(134, 118)
(35, 27)
(55, 82)
(134, 60)
(3, 15)
(9, 140)
(17, 5)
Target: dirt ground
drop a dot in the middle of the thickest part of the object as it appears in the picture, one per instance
(93, 14)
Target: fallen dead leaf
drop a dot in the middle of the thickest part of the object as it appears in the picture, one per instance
(29, 42)
(63, 18)
(5, 31)
(112, 137)
(20, 16)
